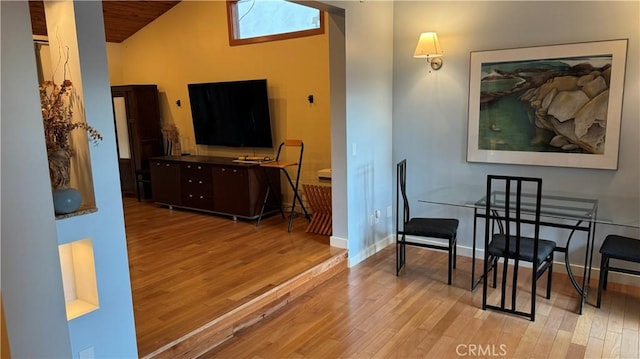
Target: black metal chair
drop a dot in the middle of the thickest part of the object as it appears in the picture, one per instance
(513, 204)
(442, 228)
(620, 248)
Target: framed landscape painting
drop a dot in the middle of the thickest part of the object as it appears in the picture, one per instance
(557, 105)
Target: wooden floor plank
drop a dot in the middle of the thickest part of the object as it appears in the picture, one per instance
(365, 313)
(629, 343)
(188, 268)
(594, 348)
(561, 344)
(611, 348)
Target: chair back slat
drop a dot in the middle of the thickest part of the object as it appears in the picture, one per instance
(292, 143)
(401, 193)
(507, 197)
(515, 204)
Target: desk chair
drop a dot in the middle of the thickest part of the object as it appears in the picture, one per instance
(620, 248)
(282, 166)
(143, 181)
(441, 228)
(507, 204)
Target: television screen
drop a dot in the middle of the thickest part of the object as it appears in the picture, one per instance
(234, 114)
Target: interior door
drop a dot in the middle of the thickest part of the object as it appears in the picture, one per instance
(127, 175)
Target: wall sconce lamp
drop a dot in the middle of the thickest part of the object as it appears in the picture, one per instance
(429, 48)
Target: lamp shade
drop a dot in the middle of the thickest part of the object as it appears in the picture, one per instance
(428, 46)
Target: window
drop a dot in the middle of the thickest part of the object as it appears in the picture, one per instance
(253, 21)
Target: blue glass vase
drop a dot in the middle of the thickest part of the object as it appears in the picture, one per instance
(66, 200)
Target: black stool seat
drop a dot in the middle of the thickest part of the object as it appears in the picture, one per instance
(499, 243)
(621, 248)
(432, 227)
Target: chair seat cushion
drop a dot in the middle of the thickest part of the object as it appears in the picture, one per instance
(499, 242)
(432, 227)
(620, 247)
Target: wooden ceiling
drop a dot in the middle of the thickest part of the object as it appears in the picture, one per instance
(121, 18)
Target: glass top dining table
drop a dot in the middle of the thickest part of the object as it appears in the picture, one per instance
(585, 210)
(597, 208)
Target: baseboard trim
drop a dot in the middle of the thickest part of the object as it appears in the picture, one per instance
(371, 250)
(223, 328)
(338, 242)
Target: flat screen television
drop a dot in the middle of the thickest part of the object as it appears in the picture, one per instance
(233, 114)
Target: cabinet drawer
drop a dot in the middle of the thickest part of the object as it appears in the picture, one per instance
(197, 185)
(196, 171)
(198, 200)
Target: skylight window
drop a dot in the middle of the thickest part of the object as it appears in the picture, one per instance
(268, 20)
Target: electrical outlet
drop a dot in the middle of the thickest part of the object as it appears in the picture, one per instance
(372, 220)
(377, 215)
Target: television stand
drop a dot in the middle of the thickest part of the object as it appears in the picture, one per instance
(219, 185)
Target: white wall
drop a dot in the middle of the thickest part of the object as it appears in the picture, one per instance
(430, 110)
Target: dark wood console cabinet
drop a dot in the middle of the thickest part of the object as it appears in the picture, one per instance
(213, 184)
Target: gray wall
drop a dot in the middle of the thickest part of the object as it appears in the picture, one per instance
(430, 109)
(365, 154)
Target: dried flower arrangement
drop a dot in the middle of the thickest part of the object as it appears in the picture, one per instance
(57, 114)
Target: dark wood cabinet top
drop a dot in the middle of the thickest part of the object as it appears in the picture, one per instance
(211, 160)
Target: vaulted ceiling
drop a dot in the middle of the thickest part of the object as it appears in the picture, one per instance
(121, 18)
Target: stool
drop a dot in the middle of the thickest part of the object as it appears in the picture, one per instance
(621, 248)
(319, 199)
(283, 165)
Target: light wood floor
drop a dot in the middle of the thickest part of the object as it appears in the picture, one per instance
(188, 268)
(368, 312)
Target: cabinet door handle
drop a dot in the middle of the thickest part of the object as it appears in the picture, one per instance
(167, 165)
(199, 182)
(201, 197)
(224, 169)
(190, 196)
(234, 171)
(190, 181)
(199, 167)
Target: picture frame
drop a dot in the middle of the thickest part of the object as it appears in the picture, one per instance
(557, 105)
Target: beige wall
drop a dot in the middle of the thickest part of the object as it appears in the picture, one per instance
(189, 44)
